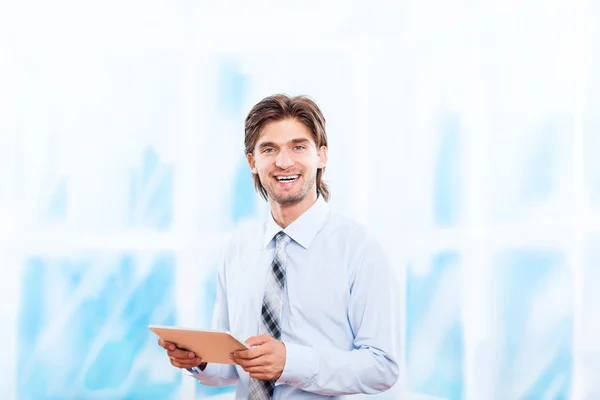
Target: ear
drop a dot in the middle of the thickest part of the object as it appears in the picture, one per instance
(252, 163)
(322, 157)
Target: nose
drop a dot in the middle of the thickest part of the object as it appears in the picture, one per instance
(284, 160)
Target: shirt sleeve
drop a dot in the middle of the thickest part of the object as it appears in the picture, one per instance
(218, 374)
(374, 316)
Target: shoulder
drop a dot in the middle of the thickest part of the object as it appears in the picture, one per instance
(354, 235)
(361, 250)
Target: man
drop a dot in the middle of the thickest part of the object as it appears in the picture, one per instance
(311, 290)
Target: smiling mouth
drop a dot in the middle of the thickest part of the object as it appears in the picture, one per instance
(284, 179)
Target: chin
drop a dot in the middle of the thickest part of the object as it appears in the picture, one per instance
(288, 200)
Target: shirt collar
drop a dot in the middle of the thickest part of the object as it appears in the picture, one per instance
(304, 229)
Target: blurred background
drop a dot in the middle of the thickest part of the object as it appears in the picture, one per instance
(464, 133)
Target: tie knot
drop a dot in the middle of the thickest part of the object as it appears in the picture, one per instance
(281, 240)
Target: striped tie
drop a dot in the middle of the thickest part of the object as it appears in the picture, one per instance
(271, 312)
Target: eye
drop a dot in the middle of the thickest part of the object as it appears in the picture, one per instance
(268, 150)
(299, 147)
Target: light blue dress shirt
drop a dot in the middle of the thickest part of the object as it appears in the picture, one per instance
(340, 319)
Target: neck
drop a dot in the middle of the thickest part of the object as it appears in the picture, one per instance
(284, 215)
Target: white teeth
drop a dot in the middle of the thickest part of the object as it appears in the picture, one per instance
(287, 178)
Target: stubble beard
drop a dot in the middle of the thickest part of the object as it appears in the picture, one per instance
(291, 199)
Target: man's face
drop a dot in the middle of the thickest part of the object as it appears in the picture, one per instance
(286, 160)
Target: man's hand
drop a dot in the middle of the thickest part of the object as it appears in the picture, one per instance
(179, 358)
(265, 361)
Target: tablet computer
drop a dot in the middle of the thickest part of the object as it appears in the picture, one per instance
(211, 346)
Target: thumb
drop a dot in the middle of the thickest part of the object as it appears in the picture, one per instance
(257, 340)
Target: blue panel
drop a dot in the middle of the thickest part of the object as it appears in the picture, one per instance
(447, 172)
(540, 172)
(591, 294)
(83, 327)
(233, 85)
(435, 342)
(151, 202)
(529, 171)
(591, 317)
(535, 351)
(55, 208)
(592, 161)
(244, 194)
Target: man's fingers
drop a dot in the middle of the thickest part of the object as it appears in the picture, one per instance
(252, 353)
(185, 363)
(178, 357)
(252, 362)
(186, 360)
(182, 364)
(258, 340)
(181, 354)
(255, 370)
(166, 345)
(173, 351)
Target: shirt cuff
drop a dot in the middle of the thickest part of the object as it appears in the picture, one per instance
(197, 370)
(301, 366)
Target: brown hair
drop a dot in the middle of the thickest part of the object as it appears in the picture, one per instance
(279, 107)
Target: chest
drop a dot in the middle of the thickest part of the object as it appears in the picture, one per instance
(317, 287)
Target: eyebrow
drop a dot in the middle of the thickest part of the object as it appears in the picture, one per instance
(272, 144)
(297, 141)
